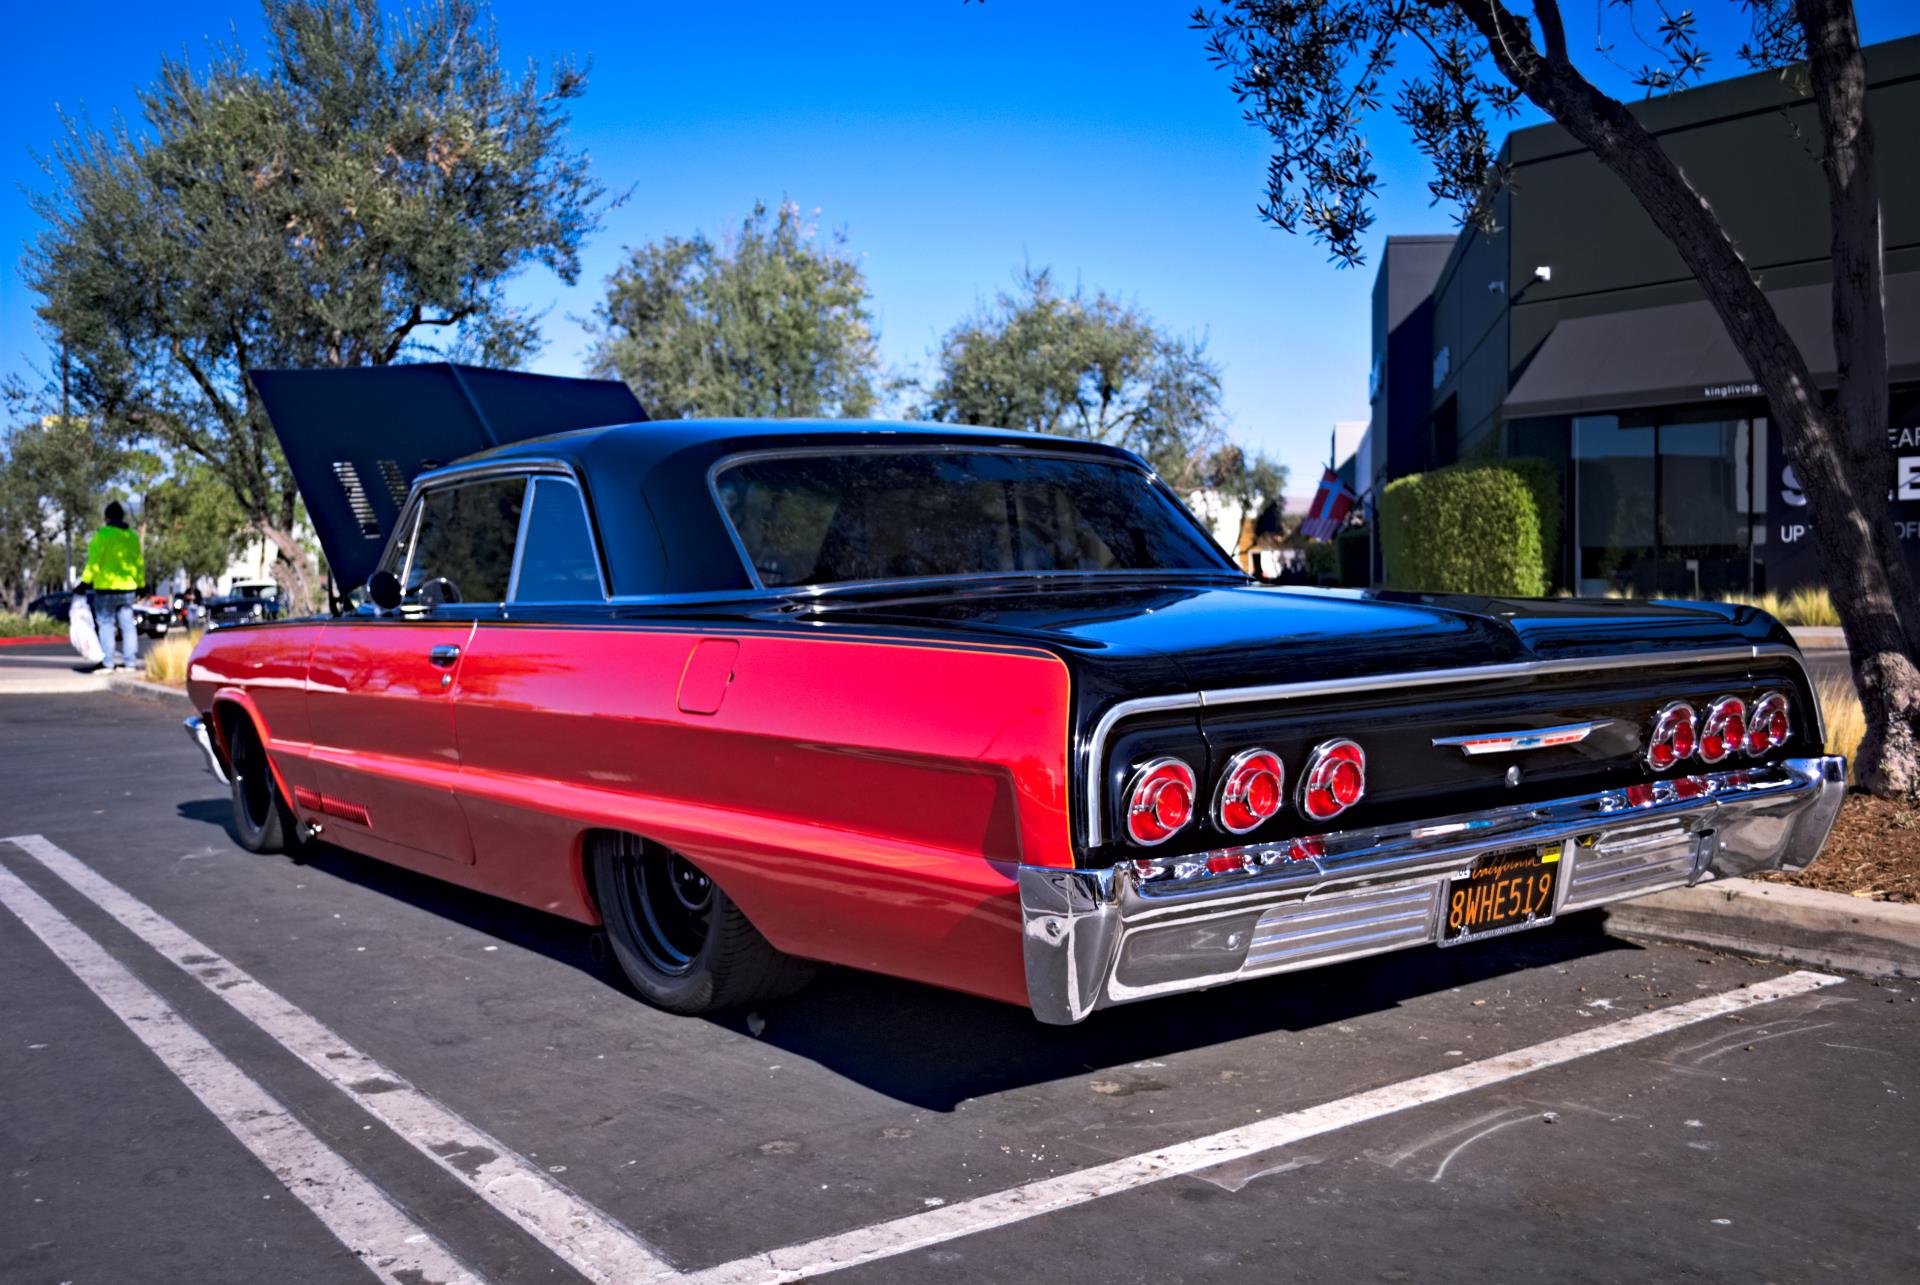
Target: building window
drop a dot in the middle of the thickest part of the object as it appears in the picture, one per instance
(1668, 506)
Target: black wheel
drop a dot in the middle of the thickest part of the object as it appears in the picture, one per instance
(679, 938)
(262, 821)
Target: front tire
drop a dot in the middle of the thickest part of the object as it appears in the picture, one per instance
(262, 821)
(679, 939)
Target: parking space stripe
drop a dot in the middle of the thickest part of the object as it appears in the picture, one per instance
(370, 1225)
(917, 1231)
(593, 1243)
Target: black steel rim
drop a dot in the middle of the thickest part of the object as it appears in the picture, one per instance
(256, 791)
(667, 904)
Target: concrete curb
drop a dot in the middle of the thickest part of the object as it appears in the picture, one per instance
(1818, 637)
(141, 689)
(1780, 921)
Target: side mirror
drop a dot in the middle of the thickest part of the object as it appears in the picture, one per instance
(384, 589)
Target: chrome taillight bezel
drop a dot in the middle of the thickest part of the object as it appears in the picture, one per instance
(1239, 775)
(1667, 723)
(1714, 725)
(1316, 778)
(1141, 778)
(1763, 711)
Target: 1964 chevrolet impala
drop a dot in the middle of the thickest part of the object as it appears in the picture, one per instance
(981, 709)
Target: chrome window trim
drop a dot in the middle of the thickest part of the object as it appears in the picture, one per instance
(519, 540)
(995, 447)
(1092, 773)
(453, 475)
(593, 541)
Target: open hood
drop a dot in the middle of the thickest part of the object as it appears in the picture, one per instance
(356, 439)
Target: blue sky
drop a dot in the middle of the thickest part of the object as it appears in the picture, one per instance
(952, 142)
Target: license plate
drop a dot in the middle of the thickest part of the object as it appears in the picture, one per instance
(1503, 893)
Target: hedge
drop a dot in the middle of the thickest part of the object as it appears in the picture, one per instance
(1473, 528)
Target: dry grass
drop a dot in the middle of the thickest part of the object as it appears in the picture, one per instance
(1804, 607)
(1846, 721)
(167, 659)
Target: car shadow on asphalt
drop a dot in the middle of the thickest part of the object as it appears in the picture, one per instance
(934, 1049)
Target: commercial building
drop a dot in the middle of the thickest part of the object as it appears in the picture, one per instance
(1574, 333)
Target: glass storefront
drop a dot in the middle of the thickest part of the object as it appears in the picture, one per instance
(1668, 506)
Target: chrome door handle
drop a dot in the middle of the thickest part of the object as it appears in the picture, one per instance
(444, 655)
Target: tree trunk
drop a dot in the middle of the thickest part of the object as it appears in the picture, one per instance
(1838, 72)
(1848, 505)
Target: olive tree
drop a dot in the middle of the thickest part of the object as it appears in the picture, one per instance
(361, 199)
(772, 321)
(1311, 74)
(1089, 365)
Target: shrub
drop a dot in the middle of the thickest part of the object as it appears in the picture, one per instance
(1469, 528)
(167, 659)
(12, 626)
(1354, 550)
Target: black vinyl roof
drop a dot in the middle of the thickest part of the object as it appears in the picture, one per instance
(358, 439)
(660, 527)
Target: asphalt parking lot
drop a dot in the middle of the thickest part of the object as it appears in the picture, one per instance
(221, 1067)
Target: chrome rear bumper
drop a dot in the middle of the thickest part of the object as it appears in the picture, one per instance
(1095, 938)
(197, 730)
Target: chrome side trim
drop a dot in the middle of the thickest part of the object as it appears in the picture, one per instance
(1093, 938)
(1096, 750)
(197, 732)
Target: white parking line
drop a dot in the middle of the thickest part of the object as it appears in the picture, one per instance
(600, 1248)
(395, 1247)
(916, 1231)
(605, 1251)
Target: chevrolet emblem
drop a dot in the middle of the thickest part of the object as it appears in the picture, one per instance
(1508, 742)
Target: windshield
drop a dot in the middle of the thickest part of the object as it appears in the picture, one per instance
(893, 515)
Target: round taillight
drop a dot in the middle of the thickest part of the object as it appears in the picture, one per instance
(1251, 790)
(1159, 801)
(1769, 726)
(1724, 729)
(1334, 780)
(1673, 739)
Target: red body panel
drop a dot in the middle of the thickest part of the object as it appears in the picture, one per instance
(865, 801)
(382, 732)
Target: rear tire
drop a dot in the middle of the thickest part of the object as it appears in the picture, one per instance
(679, 939)
(262, 821)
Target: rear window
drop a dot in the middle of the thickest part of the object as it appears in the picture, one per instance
(881, 515)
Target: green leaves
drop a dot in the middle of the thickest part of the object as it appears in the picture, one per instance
(773, 322)
(361, 199)
(1471, 529)
(1091, 367)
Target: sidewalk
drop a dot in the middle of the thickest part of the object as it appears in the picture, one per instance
(42, 668)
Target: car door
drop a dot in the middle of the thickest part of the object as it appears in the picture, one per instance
(380, 687)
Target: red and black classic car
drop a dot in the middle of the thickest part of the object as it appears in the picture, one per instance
(982, 709)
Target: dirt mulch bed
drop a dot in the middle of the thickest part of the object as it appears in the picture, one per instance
(1874, 852)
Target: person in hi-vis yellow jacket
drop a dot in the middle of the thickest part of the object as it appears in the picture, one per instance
(115, 570)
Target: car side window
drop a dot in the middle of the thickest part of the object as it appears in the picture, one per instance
(557, 561)
(463, 550)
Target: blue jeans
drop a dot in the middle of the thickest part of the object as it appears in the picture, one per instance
(111, 608)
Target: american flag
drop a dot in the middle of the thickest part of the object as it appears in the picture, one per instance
(1331, 504)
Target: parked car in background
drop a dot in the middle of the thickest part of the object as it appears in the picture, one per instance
(54, 605)
(153, 616)
(245, 602)
(983, 709)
